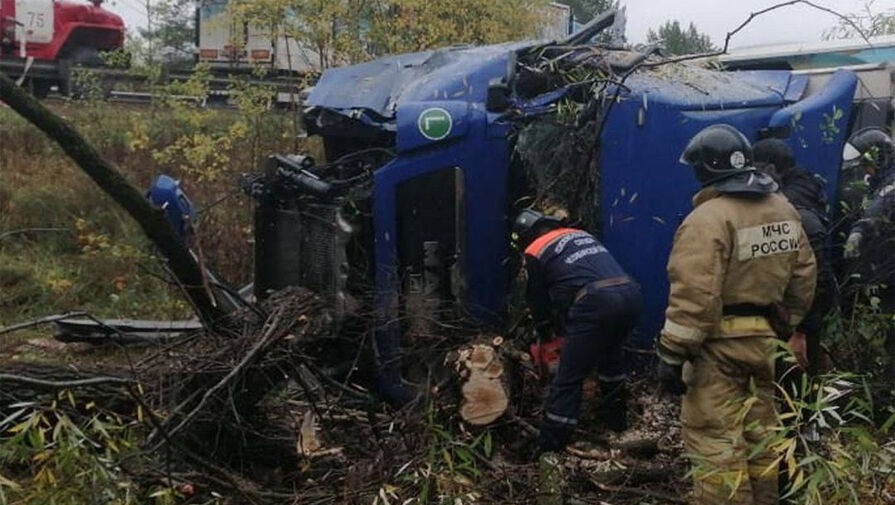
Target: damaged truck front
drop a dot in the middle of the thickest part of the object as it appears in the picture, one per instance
(430, 154)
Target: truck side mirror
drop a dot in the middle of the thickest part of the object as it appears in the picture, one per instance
(498, 96)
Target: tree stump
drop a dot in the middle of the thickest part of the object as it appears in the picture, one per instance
(484, 387)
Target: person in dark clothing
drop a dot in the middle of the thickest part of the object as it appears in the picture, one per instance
(871, 239)
(576, 286)
(805, 191)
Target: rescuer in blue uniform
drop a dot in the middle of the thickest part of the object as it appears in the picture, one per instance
(576, 286)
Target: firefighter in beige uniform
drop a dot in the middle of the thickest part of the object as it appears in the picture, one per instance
(739, 260)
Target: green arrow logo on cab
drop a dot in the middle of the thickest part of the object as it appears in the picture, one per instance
(435, 123)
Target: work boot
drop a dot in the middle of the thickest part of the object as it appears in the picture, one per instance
(615, 405)
(395, 390)
(553, 437)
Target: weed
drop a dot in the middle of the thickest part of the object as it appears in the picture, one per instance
(65, 452)
(100, 261)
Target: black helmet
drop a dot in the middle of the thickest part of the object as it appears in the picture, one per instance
(721, 156)
(718, 152)
(530, 224)
(872, 144)
(774, 151)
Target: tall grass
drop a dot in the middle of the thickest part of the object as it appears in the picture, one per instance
(95, 258)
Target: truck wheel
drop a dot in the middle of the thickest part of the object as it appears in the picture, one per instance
(40, 88)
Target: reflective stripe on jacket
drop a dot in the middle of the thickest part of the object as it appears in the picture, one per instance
(734, 250)
(561, 262)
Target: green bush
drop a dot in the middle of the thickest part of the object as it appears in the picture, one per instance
(99, 260)
(69, 452)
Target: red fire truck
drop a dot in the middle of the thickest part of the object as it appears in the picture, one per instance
(41, 41)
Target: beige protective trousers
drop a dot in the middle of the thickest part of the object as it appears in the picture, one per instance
(727, 411)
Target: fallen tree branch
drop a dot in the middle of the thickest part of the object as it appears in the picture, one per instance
(633, 475)
(225, 477)
(113, 183)
(748, 20)
(261, 345)
(43, 320)
(645, 493)
(48, 384)
(722, 51)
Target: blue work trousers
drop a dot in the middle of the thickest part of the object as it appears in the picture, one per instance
(596, 325)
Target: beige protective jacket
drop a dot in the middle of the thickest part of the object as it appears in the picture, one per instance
(731, 251)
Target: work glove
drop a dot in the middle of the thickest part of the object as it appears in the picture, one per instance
(671, 378)
(779, 319)
(853, 246)
(800, 348)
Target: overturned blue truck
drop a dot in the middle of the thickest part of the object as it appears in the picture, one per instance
(429, 155)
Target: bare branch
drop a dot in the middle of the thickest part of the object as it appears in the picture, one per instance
(723, 50)
(271, 334)
(748, 20)
(43, 320)
(636, 491)
(46, 384)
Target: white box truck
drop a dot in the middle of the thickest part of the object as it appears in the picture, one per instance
(228, 44)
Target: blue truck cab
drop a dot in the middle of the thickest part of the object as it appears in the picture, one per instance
(434, 226)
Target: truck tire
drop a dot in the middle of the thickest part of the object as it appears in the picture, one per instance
(40, 88)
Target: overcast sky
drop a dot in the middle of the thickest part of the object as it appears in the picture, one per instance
(798, 23)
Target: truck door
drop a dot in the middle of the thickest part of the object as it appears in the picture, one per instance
(259, 44)
(34, 23)
(214, 31)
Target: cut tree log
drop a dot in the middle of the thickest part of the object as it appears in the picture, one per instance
(484, 388)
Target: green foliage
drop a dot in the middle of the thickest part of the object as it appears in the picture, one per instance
(850, 462)
(99, 260)
(335, 32)
(455, 461)
(119, 58)
(66, 452)
(413, 25)
(170, 34)
(826, 444)
(678, 40)
(834, 440)
(860, 335)
(829, 128)
(585, 10)
(872, 20)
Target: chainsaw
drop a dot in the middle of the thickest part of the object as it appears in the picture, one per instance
(545, 356)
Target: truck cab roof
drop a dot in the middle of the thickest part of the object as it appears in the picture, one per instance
(374, 90)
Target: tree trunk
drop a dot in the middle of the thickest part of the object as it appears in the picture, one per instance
(110, 180)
